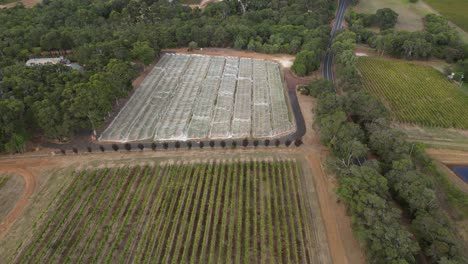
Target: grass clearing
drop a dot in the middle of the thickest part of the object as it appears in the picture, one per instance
(454, 10)
(411, 14)
(434, 137)
(215, 212)
(415, 94)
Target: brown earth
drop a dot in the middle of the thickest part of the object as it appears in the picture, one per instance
(26, 3)
(29, 188)
(283, 59)
(10, 191)
(451, 157)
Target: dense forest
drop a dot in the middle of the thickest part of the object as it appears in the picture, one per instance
(114, 39)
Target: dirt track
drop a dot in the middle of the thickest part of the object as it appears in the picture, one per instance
(29, 179)
(26, 3)
(284, 59)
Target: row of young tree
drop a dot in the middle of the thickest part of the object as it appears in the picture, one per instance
(187, 145)
(438, 39)
(115, 39)
(356, 128)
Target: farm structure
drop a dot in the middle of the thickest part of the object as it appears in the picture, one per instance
(190, 97)
(415, 94)
(218, 211)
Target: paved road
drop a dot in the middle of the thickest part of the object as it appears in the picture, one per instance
(327, 70)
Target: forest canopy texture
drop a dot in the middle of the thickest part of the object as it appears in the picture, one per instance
(114, 40)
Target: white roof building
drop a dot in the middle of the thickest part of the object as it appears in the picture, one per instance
(53, 61)
(46, 61)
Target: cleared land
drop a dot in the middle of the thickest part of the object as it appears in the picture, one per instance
(441, 138)
(12, 3)
(199, 97)
(217, 212)
(454, 10)
(11, 188)
(415, 94)
(410, 14)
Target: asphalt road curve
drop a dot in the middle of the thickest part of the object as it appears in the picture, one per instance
(327, 70)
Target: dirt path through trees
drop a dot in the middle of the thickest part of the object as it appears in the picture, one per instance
(344, 248)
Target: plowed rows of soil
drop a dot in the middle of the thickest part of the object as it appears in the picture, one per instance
(215, 212)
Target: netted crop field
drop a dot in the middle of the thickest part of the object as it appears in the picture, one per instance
(415, 94)
(213, 212)
(200, 97)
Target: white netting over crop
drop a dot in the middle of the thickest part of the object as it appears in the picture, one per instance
(199, 97)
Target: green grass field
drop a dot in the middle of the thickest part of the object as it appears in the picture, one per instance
(454, 10)
(411, 15)
(415, 94)
(216, 212)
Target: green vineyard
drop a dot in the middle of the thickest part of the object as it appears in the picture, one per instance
(415, 94)
(215, 212)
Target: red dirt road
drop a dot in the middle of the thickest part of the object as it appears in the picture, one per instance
(26, 3)
(29, 187)
(20, 168)
(343, 246)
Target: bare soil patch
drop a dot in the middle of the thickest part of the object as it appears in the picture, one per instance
(29, 187)
(10, 191)
(285, 60)
(451, 157)
(26, 3)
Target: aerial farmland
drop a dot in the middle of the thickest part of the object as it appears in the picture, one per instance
(205, 97)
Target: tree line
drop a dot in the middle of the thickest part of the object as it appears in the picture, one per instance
(356, 128)
(114, 40)
(437, 40)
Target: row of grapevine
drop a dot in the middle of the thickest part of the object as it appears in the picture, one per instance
(416, 94)
(214, 212)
